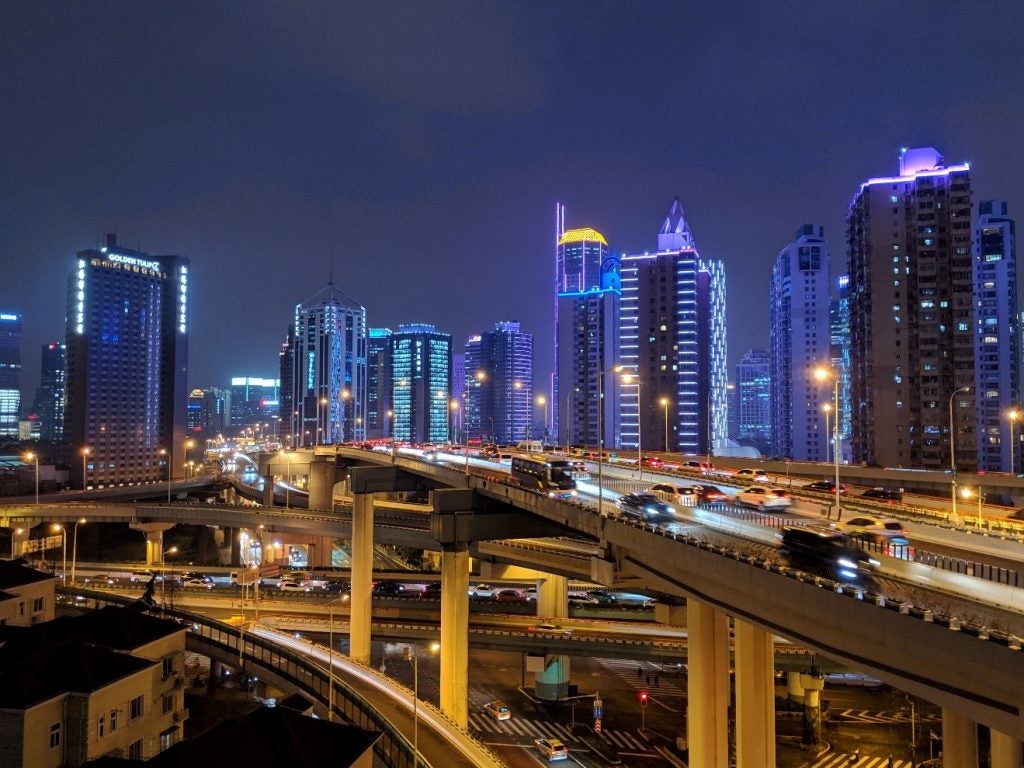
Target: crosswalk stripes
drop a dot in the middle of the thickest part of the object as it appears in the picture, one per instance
(660, 682)
(836, 760)
(534, 729)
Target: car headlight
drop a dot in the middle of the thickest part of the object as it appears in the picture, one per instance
(846, 563)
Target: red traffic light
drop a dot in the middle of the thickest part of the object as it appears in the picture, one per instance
(642, 695)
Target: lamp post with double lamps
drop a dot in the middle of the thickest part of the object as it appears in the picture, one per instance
(412, 654)
(1013, 414)
(600, 433)
(952, 449)
(824, 374)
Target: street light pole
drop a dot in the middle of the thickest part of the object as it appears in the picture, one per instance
(827, 408)
(85, 455)
(14, 538)
(64, 546)
(415, 654)
(952, 448)
(823, 374)
(32, 455)
(543, 401)
(664, 404)
(1013, 415)
(74, 548)
(600, 433)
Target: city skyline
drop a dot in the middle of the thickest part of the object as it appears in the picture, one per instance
(273, 174)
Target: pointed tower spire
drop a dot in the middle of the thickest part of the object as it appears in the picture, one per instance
(675, 232)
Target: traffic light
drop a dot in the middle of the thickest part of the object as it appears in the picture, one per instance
(643, 698)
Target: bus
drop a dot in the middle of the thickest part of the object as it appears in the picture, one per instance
(551, 475)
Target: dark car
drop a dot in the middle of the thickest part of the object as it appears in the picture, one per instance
(389, 588)
(824, 486)
(883, 494)
(709, 493)
(432, 590)
(826, 551)
(645, 505)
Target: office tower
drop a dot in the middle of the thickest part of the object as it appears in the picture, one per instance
(801, 339)
(911, 319)
(997, 352)
(208, 410)
(127, 364)
(49, 400)
(378, 384)
(458, 394)
(421, 359)
(732, 405)
(673, 337)
(10, 373)
(287, 411)
(328, 371)
(504, 392)
(839, 323)
(753, 400)
(588, 295)
(255, 405)
(472, 399)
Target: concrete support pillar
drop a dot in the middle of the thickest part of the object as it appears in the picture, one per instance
(794, 688)
(755, 697)
(455, 633)
(1007, 752)
(362, 576)
(813, 684)
(154, 533)
(320, 552)
(268, 490)
(17, 539)
(959, 740)
(707, 720)
(322, 476)
(552, 683)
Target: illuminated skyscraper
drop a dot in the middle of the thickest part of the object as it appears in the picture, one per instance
(49, 401)
(839, 324)
(800, 342)
(997, 354)
(673, 338)
(911, 319)
(588, 293)
(328, 369)
(254, 403)
(127, 356)
(10, 373)
(505, 390)
(472, 401)
(421, 360)
(378, 383)
(753, 399)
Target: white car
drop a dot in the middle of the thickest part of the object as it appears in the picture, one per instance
(764, 498)
(757, 475)
(862, 523)
(483, 591)
(682, 495)
(292, 586)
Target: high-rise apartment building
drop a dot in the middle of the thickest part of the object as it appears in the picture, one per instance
(288, 413)
(327, 378)
(255, 403)
(378, 384)
(472, 397)
(753, 400)
(588, 297)
(49, 400)
(127, 364)
(911, 316)
(421, 369)
(504, 391)
(997, 353)
(672, 340)
(839, 321)
(801, 339)
(10, 373)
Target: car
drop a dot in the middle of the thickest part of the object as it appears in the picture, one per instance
(764, 498)
(552, 749)
(883, 494)
(194, 581)
(757, 475)
(602, 596)
(432, 590)
(549, 629)
(482, 591)
(430, 455)
(683, 495)
(498, 710)
(581, 598)
(509, 596)
(651, 462)
(388, 588)
(286, 585)
(143, 575)
(824, 549)
(875, 524)
(99, 579)
(710, 493)
(645, 505)
(530, 593)
(824, 486)
(891, 545)
(699, 466)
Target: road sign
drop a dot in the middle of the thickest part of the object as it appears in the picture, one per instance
(40, 545)
(270, 571)
(597, 725)
(598, 713)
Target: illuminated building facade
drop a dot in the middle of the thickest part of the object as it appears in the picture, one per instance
(49, 400)
(421, 360)
(504, 393)
(207, 412)
(752, 400)
(588, 295)
(673, 339)
(911, 315)
(10, 373)
(378, 383)
(997, 353)
(839, 322)
(801, 338)
(328, 371)
(254, 403)
(127, 364)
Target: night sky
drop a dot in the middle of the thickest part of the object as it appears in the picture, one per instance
(416, 150)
